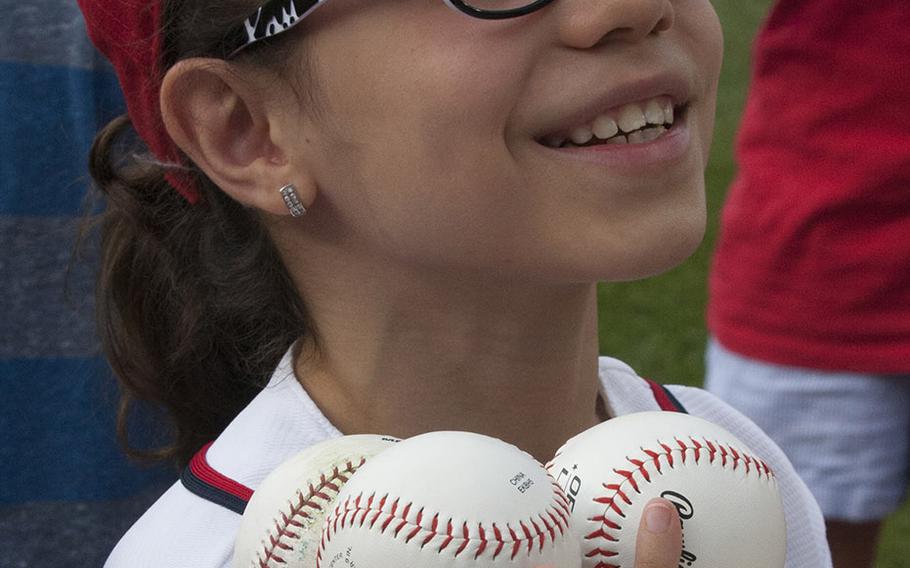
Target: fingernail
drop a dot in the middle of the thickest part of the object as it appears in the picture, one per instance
(657, 518)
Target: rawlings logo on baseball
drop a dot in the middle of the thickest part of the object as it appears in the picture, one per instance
(612, 470)
(683, 505)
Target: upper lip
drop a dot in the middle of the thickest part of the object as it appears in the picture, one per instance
(669, 84)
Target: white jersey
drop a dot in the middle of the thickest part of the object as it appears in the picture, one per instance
(183, 530)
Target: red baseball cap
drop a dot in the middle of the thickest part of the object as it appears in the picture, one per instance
(128, 33)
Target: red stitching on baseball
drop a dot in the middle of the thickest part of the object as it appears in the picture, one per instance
(516, 542)
(500, 541)
(387, 521)
(284, 535)
(548, 528)
(616, 495)
(698, 448)
(682, 447)
(449, 536)
(465, 535)
(601, 552)
(528, 536)
(557, 523)
(483, 541)
(558, 513)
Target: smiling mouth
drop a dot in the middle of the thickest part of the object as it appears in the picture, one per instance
(634, 123)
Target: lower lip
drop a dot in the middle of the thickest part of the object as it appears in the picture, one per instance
(671, 146)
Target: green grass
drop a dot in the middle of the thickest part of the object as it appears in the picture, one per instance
(895, 548)
(657, 325)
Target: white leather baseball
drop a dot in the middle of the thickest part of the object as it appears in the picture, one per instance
(282, 523)
(450, 500)
(728, 498)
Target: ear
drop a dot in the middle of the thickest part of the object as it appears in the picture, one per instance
(225, 124)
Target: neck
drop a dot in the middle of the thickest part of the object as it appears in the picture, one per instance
(516, 363)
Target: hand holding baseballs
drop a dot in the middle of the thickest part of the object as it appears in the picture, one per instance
(645, 490)
(726, 496)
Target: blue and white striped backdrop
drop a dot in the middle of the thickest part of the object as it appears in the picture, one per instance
(56, 392)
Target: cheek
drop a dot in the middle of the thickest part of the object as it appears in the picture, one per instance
(708, 36)
(419, 126)
(698, 24)
(699, 21)
(423, 91)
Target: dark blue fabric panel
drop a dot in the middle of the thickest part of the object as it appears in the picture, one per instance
(67, 534)
(50, 116)
(46, 32)
(47, 300)
(57, 418)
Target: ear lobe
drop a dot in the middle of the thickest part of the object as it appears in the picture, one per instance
(221, 123)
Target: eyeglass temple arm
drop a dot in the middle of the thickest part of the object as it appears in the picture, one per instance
(270, 19)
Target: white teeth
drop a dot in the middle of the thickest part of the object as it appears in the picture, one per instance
(654, 113)
(634, 123)
(582, 135)
(631, 118)
(605, 127)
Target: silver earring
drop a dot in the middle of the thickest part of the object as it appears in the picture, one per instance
(292, 200)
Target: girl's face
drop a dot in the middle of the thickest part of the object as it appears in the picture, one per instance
(433, 143)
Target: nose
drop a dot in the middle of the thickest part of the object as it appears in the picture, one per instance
(587, 23)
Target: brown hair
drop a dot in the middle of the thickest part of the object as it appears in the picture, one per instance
(193, 303)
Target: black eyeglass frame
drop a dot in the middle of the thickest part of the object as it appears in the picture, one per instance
(278, 16)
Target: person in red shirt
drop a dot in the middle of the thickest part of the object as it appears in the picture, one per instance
(809, 305)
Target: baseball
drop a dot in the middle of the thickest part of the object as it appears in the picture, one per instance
(282, 523)
(450, 500)
(727, 497)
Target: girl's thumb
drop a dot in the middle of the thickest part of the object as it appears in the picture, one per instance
(659, 542)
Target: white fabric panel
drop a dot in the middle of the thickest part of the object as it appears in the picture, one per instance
(807, 546)
(183, 531)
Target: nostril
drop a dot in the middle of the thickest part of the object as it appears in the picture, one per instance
(667, 20)
(661, 27)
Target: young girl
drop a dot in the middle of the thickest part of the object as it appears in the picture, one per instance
(390, 216)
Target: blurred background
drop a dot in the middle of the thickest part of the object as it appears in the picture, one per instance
(66, 493)
(658, 325)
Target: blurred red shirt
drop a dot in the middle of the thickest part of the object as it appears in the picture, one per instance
(812, 267)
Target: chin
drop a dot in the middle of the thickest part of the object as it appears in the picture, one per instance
(670, 258)
(656, 253)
